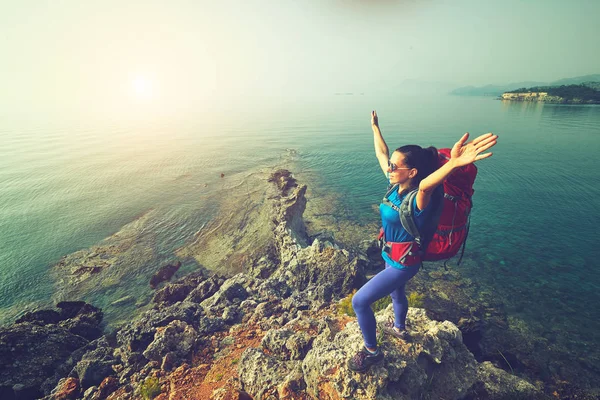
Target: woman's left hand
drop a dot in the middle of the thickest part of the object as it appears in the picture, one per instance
(463, 154)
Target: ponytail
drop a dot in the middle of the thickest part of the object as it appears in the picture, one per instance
(424, 160)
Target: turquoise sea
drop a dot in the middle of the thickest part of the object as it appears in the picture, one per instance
(68, 183)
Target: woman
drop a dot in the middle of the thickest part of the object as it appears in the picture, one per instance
(410, 167)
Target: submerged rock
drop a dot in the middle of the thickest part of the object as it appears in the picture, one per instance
(494, 383)
(123, 301)
(164, 274)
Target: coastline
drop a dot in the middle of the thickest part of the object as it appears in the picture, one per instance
(552, 101)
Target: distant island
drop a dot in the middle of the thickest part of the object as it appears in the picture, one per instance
(585, 93)
(498, 90)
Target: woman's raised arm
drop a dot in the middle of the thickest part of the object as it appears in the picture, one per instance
(460, 155)
(381, 149)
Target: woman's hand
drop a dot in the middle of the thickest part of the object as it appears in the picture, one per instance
(374, 119)
(381, 150)
(464, 154)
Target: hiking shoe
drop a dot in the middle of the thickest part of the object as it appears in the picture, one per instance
(364, 359)
(389, 328)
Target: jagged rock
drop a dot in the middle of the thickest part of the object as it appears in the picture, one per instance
(95, 365)
(274, 288)
(230, 315)
(207, 325)
(233, 288)
(284, 180)
(180, 289)
(35, 357)
(164, 274)
(177, 337)
(296, 302)
(224, 394)
(276, 371)
(87, 270)
(267, 309)
(322, 274)
(290, 230)
(41, 317)
(137, 335)
(496, 384)
(326, 270)
(286, 344)
(81, 319)
(169, 361)
(67, 389)
(204, 290)
(292, 384)
(93, 372)
(126, 374)
(248, 304)
(78, 317)
(263, 268)
(83, 327)
(108, 386)
(134, 359)
(436, 363)
(91, 393)
(172, 293)
(264, 376)
(72, 309)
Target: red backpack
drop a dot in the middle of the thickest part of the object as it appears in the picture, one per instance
(446, 231)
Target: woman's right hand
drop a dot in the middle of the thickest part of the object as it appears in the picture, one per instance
(463, 153)
(374, 119)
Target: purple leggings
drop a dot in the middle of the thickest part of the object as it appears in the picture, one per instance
(390, 281)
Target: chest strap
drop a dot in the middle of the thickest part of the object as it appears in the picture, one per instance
(405, 212)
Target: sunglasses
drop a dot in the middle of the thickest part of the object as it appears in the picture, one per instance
(392, 167)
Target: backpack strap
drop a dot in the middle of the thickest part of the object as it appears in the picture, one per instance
(405, 211)
(407, 216)
(462, 253)
(386, 200)
(391, 189)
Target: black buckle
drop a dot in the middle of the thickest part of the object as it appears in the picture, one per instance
(387, 248)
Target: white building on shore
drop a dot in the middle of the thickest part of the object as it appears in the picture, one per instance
(525, 96)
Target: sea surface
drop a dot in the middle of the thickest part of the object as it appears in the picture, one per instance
(66, 183)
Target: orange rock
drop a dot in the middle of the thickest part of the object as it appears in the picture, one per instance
(68, 390)
(108, 385)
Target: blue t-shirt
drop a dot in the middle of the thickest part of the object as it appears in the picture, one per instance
(392, 227)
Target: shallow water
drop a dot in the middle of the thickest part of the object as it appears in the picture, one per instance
(66, 184)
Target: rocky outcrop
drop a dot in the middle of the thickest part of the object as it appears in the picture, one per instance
(495, 383)
(272, 333)
(321, 271)
(309, 356)
(176, 339)
(435, 363)
(44, 346)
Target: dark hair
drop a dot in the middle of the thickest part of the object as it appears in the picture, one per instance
(425, 161)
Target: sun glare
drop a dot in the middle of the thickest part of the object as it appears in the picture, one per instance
(142, 87)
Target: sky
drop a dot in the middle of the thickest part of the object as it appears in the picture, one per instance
(108, 55)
